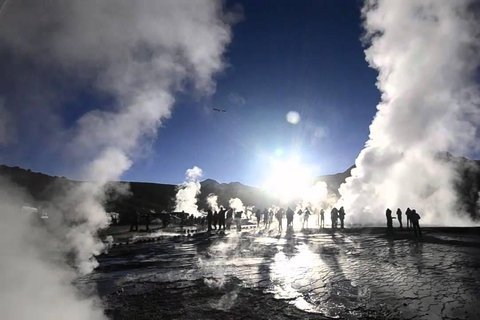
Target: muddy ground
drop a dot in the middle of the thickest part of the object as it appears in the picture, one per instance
(309, 274)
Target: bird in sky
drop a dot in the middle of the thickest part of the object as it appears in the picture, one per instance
(219, 110)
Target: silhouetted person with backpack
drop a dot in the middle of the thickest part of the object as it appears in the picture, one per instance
(399, 217)
(341, 215)
(415, 218)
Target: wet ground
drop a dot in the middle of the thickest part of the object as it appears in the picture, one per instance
(313, 274)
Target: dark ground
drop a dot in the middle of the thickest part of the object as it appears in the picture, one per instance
(314, 274)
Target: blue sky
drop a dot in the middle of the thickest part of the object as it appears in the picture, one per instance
(302, 56)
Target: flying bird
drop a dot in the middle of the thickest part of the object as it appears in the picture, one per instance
(219, 110)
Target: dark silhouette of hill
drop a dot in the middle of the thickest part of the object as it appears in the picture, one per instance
(161, 197)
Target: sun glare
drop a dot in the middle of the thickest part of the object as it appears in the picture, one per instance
(288, 179)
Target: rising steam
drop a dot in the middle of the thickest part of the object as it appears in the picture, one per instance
(426, 53)
(138, 54)
(236, 204)
(186, 198)
(212, 201)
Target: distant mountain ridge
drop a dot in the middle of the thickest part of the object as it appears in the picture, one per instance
(161, 197)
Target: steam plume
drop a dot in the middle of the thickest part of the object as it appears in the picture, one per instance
(186, 198)
(236, 204)
(426, 53)
(138, 53)
(212, 202)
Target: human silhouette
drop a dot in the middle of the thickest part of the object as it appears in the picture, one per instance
(388, 214)
(290, 215)
(415, 219)
(258, 215)
(399, 217)
(341, 215)
(279, 216)
(221, 219)
(306, 215)
(209, 219)
(229, 218)
(407, 214)
(265, 217)
(238, 220)
(215, 220)
(334, 217)
(134, 221)
(322, 218)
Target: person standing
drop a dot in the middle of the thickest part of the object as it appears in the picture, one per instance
(265, 217)
(279, 216)
(388, 214)
(215, 219)
(322, 218)
(221, 219)
(209, 219)
(290, 215)
(407, 214)
(258, 215)
(306, 215)
(229, 218)
(415, 219)
(399, 217)
(334, 217)
(341, 215)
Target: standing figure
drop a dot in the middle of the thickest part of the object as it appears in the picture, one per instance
(322, 218)
(258, 215)
(399, 217)
(306, 215)
(290, 215)
(229, 218)
(279, 216)
(209, 219)
(215, 219)
(341, 215)
(414, 219)
(265, 217)
(134, 221)
(221, 219)
(238, 220)
(408, 212)
(334, 217)
(388, 214)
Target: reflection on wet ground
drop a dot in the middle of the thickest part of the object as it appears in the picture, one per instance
(349, 275)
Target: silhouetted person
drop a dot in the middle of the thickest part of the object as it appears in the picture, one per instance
(334, 217)
(408, 212)
(341, 215)
(290, 215)
(229, 218)
(279, 216)
(258, 215)
(388, 214)
(414, 219)
(134, 221)
(306, 215)
(322, 218)
(265, 217)
(221, 219)
(399, 217)
(215, 220)
(147, 221)
(209, 220)
(238, 220)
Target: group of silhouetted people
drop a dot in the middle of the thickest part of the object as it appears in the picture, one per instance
(413, 219)
(223, 219)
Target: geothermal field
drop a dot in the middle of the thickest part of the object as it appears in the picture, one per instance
(239, 159)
